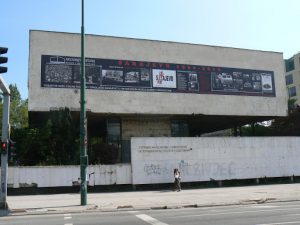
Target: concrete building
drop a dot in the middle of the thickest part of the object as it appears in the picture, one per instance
(292, 77)
(146, 88)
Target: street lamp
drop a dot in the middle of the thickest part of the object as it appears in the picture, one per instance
(83, 119)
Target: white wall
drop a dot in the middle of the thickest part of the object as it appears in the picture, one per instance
(199, 159)
(59, 176)
(108, 101)
(221, 158)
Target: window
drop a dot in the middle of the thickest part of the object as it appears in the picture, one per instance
(289, 79)
(114, 140)
(292, 92)
(289, 64)
(113, 131)
(179, 128)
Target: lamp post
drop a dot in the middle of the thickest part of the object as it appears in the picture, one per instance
(83, 119)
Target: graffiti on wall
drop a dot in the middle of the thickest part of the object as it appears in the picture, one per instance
(198, 169)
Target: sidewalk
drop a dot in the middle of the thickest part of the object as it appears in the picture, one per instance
(143, 200)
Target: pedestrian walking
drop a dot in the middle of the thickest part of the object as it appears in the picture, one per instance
(177, 177)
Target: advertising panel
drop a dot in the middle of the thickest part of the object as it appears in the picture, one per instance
(164, 78)
(126, 75)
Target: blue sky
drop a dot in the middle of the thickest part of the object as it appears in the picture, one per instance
(269, 25)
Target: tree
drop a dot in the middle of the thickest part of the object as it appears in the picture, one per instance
(65, 137)
(54, 143)
(287, 126)
(257, 129)
(18, 108)
(33, 146)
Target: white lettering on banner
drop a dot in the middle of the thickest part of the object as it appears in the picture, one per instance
(164, 78)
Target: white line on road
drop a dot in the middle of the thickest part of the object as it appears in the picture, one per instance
(134, 212)
(294, 214)
(150, 219)
(67, 217)
(294, 222)
(265, 206)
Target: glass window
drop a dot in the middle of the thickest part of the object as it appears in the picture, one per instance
(289, 64)
(113, 131)
(179, 128)
(292, 92)
(289, 79)
(113, 148)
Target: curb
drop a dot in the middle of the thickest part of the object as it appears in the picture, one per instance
(95, 208)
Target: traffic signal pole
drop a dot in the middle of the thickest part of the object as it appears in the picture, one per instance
(5, 138)
(83, 120)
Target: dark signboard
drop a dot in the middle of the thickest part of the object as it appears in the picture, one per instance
(110, 74)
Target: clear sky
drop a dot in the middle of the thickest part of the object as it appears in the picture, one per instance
(269, 25)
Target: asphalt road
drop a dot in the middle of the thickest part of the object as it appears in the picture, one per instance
(260, 214)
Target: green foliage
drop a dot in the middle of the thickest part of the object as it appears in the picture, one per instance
(54, 143)
(102, 153)
(258, 130)
(287, 126)
(292, 104)
(31, 145)
(15, 95)
(65, 137)
(18, 108)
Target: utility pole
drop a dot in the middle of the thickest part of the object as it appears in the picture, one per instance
(5, 140)
(83, 119)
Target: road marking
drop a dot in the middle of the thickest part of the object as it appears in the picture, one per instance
(134, 212)
(150, 219)
(294, 222)
(265, 206)
(294, 214)
(67, 217)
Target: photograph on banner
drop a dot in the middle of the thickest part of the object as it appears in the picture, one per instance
(266, 80)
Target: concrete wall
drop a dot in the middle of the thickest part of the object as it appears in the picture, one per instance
(63, 176)
(219, 158)
(137, 102)
(145, 127)
(199, 159)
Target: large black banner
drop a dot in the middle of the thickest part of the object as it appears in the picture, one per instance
(109, 74)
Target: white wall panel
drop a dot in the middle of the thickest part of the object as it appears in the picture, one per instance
(218, 158)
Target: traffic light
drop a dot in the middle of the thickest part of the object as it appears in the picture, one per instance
(12, 154)
(3, 59)
(4, 147)
(12, 147)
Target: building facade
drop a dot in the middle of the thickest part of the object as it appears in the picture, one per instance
(292, 77)
(146, 88)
